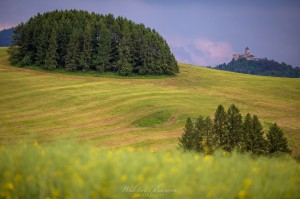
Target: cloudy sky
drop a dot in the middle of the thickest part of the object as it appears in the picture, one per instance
(201, 32)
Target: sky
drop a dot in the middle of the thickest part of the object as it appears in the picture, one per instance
(200, 32)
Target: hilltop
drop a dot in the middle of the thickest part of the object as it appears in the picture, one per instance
(249, 64)
(150, 112)
(77, 40)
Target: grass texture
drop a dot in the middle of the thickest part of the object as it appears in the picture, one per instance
(109, 111)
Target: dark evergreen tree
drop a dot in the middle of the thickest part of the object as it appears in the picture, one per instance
(247, 135)
(73, 56)
(42, 45)
(276, 140)
(199, 134)
(234, 128)
(208, 138)
(87, 48)
(219, 127)
(186, 141)
(102, 58)
(259, 142)
(51, 55)
(14, 54)
(124, 63)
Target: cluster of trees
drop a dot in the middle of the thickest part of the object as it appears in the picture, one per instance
(263, 67)
(229, 131)
(79, 40)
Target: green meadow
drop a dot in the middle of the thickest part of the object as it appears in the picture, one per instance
(92, 135)
(109, 111)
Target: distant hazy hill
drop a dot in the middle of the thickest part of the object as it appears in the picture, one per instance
(262, 67)
(6, 37)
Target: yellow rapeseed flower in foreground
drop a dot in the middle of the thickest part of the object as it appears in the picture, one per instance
(141, 178)
(136, 195)
(241, 194)
(123, 178)
(247, 183)
(10, 186)
(208, 158)
(174, 170)
(146, 169)
(36, 144)
(130, 149)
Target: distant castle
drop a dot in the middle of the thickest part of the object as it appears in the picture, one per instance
(247, 55)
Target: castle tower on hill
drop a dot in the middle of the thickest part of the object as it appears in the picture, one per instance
(247, 55)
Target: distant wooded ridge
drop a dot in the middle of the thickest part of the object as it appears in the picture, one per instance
(6, 37)
(79, 40)
(262, 67)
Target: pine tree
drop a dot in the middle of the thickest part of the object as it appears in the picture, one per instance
(51, 55)
(199, 134)
(124, 62)
(42, 45)
(247, 137)
(219, 126)
(186, 140)
(276, 140)
(101, 60)
(115, 41)
(72, 57)
(234, 128)
(209, 138)
(87, 48)
(259, 142)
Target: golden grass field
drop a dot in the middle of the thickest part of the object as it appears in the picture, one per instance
(139, 112)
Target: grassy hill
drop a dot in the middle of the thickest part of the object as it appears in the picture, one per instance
(140, 112)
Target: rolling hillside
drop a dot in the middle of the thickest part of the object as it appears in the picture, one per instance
(140, 112)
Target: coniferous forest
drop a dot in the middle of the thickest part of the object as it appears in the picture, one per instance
(262, 67)
(83, 41)
(228, 131)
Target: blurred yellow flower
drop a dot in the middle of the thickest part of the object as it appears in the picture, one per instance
(208, 158)
(130, 149)
(42, 153)
(146, 169)
(10, 186)
(36, 144)
(18, 177)
(136, 195)
(55, 193)
(255, 170)
(174, 170)
(247, 183)
(123, 178)
(109, 154)
(242, 194)
(161, 176)
(141, 178)
(225, 154)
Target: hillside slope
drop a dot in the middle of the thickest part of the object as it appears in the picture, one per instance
(138, 112)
